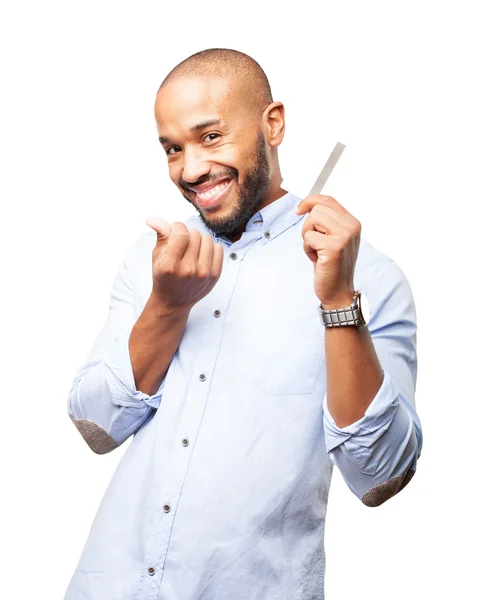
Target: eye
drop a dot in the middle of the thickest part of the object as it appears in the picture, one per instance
(209, 135)
(167, 150)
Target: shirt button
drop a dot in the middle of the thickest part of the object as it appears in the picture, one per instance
(202, 377)
(185, 441)
(151, 571)
(233, 255)
(267, 235)
(166, 508)
(217, 313)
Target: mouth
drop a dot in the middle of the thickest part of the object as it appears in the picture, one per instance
(213, 196)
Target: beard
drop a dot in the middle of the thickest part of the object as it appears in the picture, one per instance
(251, 192)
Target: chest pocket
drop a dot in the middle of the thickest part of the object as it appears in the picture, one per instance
(280, 356)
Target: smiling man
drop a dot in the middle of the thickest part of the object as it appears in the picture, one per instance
(240, 356)
(208, 112)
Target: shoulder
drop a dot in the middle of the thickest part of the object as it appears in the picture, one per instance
(389, 294)
(369, 257)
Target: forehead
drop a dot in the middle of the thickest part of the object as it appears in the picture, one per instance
(185, 101)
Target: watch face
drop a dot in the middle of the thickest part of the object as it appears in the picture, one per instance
(364, 308)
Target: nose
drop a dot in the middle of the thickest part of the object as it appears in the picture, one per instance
(194, 165)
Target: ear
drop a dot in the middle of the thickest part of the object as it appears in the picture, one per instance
(273, 118)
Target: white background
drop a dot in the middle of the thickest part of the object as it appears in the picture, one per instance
(82, 169)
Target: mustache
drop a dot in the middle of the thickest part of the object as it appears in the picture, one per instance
(187, 186)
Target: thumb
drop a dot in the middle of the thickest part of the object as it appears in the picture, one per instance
(162, 228)
(299, 208)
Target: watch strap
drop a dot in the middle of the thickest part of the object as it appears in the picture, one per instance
(342, 317)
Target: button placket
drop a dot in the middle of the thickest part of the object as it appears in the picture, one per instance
(190, 422)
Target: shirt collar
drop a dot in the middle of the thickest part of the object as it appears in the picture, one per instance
(273, 219)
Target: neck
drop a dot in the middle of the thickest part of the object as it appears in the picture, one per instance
(271, 195)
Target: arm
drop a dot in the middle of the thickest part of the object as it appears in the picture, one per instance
(121, 382)
(350, 351)
(153, 342)
(373, 433)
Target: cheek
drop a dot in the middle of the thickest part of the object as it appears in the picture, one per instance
(227, 155)
(174, 171)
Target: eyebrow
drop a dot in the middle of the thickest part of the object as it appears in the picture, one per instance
(198, 127)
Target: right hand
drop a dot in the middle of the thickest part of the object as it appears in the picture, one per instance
(186, 264)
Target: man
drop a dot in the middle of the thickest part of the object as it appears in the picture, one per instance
(240, 393)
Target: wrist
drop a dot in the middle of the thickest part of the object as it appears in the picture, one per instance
(342, 301)
(156, 306)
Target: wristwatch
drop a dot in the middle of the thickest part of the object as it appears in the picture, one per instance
(356, 314)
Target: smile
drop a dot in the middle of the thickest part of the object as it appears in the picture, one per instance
(212, 196)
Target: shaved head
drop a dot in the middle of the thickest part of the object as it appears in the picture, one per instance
(248, 78)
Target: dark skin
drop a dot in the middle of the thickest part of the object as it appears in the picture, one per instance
(196, 158)
(187, 265)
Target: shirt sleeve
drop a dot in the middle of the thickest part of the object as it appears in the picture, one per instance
(377, 455)
(103, 403)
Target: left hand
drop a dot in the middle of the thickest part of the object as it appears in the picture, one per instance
(331, 241)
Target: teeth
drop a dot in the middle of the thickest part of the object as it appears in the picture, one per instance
(211, 193)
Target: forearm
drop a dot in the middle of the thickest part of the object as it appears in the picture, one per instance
(153, 342)
(353, 371)
(372, 431)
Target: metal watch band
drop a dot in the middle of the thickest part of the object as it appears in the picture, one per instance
(342, 317)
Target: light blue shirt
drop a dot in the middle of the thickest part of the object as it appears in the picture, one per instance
(222, 492)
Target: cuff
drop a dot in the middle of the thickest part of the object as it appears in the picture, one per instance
(121, 378)
(372, 425)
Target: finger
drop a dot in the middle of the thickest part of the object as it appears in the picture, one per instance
(312, 241)
(315, 242)
(324, 222)
(307, 204)
(205, 257)
(217, 264)
(340, 213)
(322, 215)
(343, 217)
(190, 257)
(162, 228)
(178, 242)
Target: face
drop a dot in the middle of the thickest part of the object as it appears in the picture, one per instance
(216, 151)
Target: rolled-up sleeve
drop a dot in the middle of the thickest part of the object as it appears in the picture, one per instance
(103, 402)
(377, 455)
